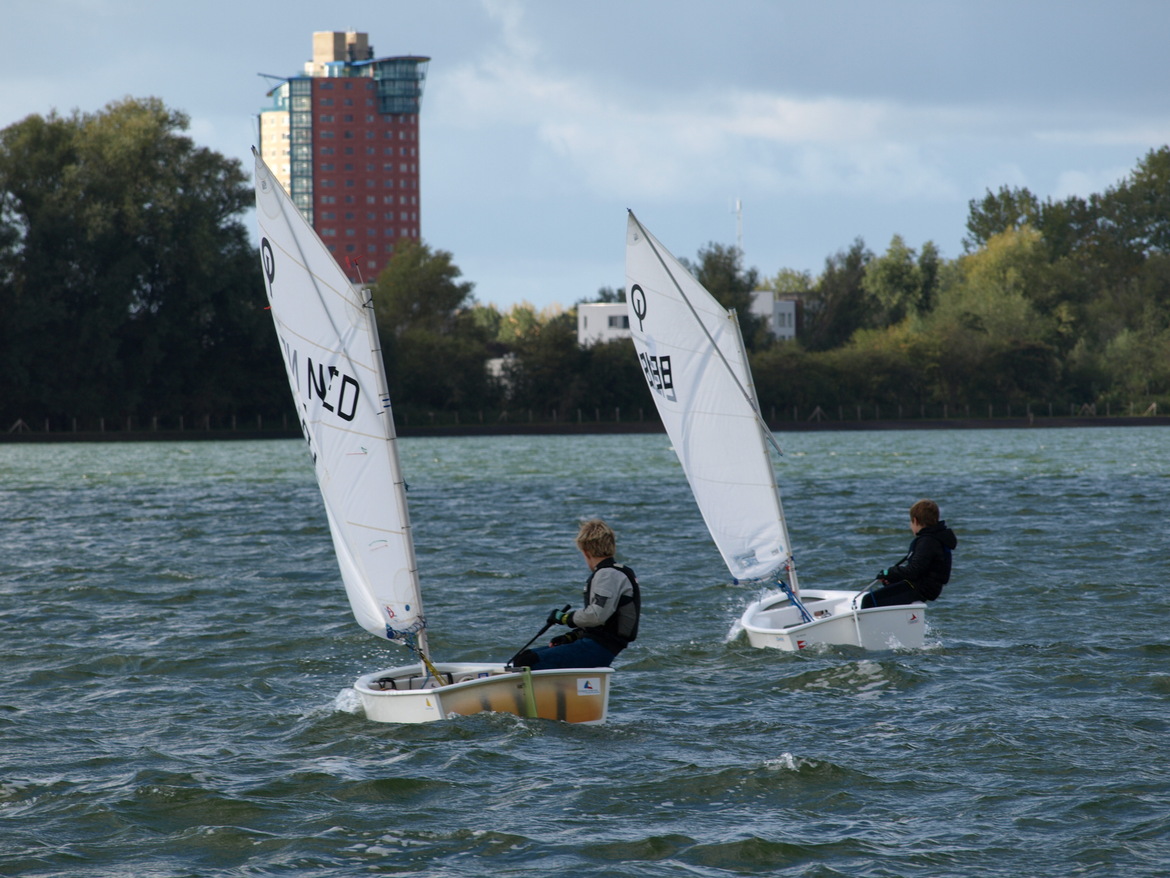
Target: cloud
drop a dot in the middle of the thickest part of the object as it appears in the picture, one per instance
(1085, 183)
(650, 144)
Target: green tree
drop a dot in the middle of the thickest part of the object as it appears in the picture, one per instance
(132, 288)
(613, 381)
(999, 212)
(992, 340)
(789, 282)
(420, 289)
(547, 371)
(930, 267)
(839, 304)
(435, 341)
(895, 281)
(901, 282)
(720, 270)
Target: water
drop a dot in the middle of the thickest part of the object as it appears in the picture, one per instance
(178, 649)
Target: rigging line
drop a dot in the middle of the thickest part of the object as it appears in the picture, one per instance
(767, 431)
(794, 600)
(419, 650)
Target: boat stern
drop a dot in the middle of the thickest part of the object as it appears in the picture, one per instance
(403, 695)
(774, 622)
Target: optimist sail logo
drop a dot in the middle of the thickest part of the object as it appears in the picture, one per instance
(588, 685)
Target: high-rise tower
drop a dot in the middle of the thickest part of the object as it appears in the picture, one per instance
(343, 140)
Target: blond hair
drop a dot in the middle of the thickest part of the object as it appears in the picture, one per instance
(596, 538)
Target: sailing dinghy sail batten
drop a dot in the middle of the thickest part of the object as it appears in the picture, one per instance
(331, 353)
(692, 354)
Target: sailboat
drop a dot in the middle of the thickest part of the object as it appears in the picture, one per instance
(329, 343)
(693, 358)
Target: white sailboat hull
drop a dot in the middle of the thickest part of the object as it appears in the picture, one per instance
(403, 695)
(773, 622)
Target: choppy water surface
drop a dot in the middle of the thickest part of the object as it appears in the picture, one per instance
(177, 650)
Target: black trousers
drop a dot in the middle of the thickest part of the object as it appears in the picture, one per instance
(890, 595)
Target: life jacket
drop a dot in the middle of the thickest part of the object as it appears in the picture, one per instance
(619, 630)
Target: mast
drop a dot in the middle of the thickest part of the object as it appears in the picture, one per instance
(766, 434)
(392, 450)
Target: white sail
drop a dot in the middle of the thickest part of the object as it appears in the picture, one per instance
(692, 355)
(329, 342)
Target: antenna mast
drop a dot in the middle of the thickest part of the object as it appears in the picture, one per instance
(739, 224)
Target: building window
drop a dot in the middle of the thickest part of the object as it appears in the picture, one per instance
(619, 321)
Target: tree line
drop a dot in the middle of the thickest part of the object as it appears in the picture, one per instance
(130, 291)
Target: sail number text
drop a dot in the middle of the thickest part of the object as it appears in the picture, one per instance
(338, 392)
(658, 374)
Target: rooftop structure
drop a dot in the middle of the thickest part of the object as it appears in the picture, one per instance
(343, 139)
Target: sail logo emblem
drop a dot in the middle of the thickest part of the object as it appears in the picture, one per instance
(588, 685)
(638, 303)
(268, 259)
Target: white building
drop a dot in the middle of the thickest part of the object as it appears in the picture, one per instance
(602, 322)
(780, 314)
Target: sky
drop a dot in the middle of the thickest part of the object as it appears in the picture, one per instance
(789, 129)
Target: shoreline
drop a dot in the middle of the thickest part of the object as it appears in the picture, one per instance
(586, 429)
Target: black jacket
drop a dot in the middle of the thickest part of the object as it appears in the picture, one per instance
(927, 566)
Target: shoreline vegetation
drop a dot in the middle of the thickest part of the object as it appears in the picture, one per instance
(18, 435)
(133, 303)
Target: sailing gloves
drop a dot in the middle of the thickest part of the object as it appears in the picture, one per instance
(560, 617)
(883, 576)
